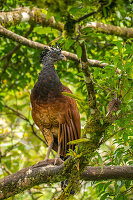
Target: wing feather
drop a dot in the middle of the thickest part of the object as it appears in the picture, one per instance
(72, 135)
(63, 139)
(74, 130)
(69, 136)
(69, 120)
(66, 140)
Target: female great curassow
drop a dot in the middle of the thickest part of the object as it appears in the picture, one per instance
(56, 115)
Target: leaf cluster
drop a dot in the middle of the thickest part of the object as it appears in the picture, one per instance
(19, 145)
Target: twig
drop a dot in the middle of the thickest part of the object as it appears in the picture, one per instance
(4, 167)
(8, 56)
(18, 46)
(55, 40)
(88, 79)
(17, 113)
(34, 132)
(37, 45)
(32, 196)
(9, 149)
(4, 68)
(31, 125)
(3, 136)
(20, 39)
(54, 194)
(26, 119)
(85, 16)
(103, 141)
(106, 90)
(128, 190)
(126, 93)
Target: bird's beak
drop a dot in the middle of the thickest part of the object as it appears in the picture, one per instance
(63, 57)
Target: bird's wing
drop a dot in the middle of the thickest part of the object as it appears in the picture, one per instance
(69, 123)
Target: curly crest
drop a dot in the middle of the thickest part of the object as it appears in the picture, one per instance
(50, 52)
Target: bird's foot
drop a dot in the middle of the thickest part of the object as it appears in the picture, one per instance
(58, 161)
(43, 163)
(46, 161)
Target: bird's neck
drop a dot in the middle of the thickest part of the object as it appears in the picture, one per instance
(48, 62)
(49, 77)
(48, 84)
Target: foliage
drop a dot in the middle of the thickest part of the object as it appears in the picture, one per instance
(19, 145)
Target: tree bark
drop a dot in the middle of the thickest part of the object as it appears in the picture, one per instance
(47, 172)
(27, 14)
(111, 29)
(24, 41)
(38, 16)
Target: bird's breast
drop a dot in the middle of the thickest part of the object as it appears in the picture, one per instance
(44, 115)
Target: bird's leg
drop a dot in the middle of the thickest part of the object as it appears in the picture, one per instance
(50, 140)
(48, 151)
(58, 154)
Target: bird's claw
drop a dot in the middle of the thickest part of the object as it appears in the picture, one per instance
(58, 161)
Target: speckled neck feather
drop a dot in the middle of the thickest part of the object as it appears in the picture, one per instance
(48, 84)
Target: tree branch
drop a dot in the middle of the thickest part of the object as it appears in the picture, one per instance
(20, 115)
(88, 79)
(47, 172)
(109, 172)
(23, 117)
(85, 16)
(38, 16)
(18, 46)
(22, 40)
(111, 29)
(27, 14)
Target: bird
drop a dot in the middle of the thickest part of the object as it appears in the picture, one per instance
(56, 115)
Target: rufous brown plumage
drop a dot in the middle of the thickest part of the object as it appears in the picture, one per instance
(56, 115)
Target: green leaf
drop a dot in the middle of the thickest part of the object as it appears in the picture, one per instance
(101, 121)
(127, 184)
(119, 44)
(82, 140)
(128, 65)
(79, 52)
(1, 106)
(128, 49)
(107, 184)
(81, 102)
(104, 196)
(73, 96)
(125, 137)
(40, 30)
(100, 161)
(68, 43)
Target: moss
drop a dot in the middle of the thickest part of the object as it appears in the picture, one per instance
(74, 167)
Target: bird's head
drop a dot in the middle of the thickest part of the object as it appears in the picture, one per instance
(51, 55)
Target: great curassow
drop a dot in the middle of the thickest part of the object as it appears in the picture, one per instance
(56, 115)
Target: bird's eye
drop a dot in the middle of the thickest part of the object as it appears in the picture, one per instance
(54, 54)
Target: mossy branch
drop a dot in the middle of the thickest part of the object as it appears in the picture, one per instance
(111, 29)
(88, 79)
(39, 16)
(47, 172)
(24, 41)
